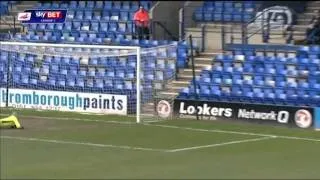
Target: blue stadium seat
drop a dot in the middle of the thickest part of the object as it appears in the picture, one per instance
(99, 4)
(227, 17)
(237, 17)
(107, 5)
(88, 15)
(116, 5)
(124, 16)
(126, 5)
(206, 16)
(217, 17)
(134, 5)
(90, 4)
(79, 15)
(113, 26)
(82, 4)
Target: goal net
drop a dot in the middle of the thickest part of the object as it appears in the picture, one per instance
(101, 79)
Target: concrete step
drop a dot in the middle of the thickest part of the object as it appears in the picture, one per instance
(189, 72)
(299, 28)
(303, 22)
(316, 7)
(10, 19)
(313, 3)
(177, 88)
(308, 13)
(181, 83)
(203, 61)
(211, 54)
(169, 94)
(24, 6)
(201, 58)
(202, 65)
(186, 77)
(181, 71)
(148, 109)
(149, 104)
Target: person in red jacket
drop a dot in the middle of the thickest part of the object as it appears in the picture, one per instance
(141, 21)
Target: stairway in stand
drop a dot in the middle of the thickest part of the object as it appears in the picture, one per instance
(9, 21)
(303, 20)
(184, 78)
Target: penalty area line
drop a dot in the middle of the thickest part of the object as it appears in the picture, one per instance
(222, 144)
(237, 132)
(53, 141)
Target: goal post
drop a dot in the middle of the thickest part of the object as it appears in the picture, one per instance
(84, 78)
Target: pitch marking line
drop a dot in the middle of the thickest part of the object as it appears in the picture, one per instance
(178, 127)
(238, 132)
(82, 143)
(221, 144)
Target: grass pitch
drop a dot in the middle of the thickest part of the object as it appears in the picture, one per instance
(69, 145)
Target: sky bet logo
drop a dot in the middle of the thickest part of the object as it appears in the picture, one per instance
(49, 14)
(43, 16)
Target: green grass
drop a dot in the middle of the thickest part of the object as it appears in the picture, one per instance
(265, 159)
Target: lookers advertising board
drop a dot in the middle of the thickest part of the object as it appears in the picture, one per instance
(301, 117)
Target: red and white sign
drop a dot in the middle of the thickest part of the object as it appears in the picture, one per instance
(303, 118)
(24, 16)
(164, 109)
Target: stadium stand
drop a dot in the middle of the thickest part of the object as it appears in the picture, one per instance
(4, 7)
(281, 78)
(225, 11)
(94, 22)
(244, 75)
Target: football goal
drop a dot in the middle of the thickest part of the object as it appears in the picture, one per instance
(102, 79)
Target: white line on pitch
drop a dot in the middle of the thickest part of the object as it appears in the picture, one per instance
(221, 144)
(82, 143)
(237, 132)
(178, 127)
(211, 130)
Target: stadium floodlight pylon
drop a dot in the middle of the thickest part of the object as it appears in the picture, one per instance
(94, 69)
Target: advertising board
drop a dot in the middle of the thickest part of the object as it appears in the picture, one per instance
(43, 16)
(65, 101)
(317, 118)
(280, 115)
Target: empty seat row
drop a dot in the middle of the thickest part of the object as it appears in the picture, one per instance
(254, 95)
(101, 15)
(107, 73)
(58, 84)
(126, 5)
(85, 26)
(229, 4)
(229, 17)
(226, 11)
(259, 83)
(313, 59)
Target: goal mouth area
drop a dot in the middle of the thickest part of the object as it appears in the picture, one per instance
(132, 74)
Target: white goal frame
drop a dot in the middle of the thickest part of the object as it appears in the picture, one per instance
(136, 48)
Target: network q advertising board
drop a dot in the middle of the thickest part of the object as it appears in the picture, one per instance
(301, 117)
(43, 16)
